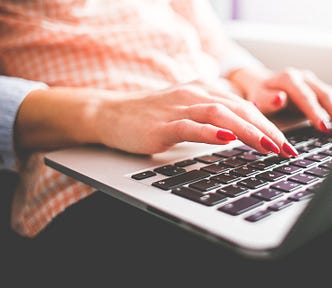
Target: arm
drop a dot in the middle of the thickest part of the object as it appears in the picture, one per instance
(59, 117)
(270, 91)
(12, 93)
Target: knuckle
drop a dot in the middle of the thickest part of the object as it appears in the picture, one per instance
(212, 111)
(205, 131)
(247, 110)
(289, 75)
(180, 127)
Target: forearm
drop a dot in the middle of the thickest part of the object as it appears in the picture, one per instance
(57, 117)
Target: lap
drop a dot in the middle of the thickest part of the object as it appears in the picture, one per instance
(102, 236)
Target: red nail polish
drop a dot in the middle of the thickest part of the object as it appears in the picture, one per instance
(267, 144)
(226, 135)
(289, 149)
(323, 127)
(277, 100)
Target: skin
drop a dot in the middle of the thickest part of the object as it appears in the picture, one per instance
(273, 91)
(63, 116)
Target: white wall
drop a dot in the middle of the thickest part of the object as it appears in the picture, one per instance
(301, 12)
(223, 8)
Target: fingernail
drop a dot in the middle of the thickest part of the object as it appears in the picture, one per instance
(280, 98)
(226, 135)
(289, 149)
(324, 127)
(277, 100)
(269, 145)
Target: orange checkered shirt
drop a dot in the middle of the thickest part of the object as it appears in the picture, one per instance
(126, 45)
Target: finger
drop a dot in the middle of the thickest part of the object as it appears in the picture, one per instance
(254, 116)
(221, 116)
(302, 95)
(188, 130)
(270, 100)
(322, 90)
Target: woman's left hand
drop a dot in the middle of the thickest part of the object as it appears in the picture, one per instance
(273, 91)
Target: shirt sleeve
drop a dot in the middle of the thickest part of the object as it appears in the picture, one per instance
(12, 93)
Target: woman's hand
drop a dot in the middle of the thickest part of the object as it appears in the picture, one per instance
(155, 122)
(143, 122)
(272, 92)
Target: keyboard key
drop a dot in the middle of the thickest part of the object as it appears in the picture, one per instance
(276, 160)
(228, 153)
(252, 182)
(232, 190)
(267, 194)
(286, 186)
(258, 216)
(326, 164)
(327, 152)
(302, 195)
(297, 140)
(287, 169)
(233, 162)
(303, 178)
(280, 205)
(244, 171)
(208, 159)
(185, 163)
(261, 165)
(320, 143)
(318, 171)
(317, 157)
(214, 168)
(225, 178)
(249, 157)
(205, 185)
(244, 148)
(185, 178)
(271, 176)
(169, 170)
(240, 206)
(205, 199)
(304, 163)
(306, 149)
(143, 175)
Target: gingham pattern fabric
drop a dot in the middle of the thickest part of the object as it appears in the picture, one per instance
(123, 45)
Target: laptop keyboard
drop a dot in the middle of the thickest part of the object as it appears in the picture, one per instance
(242, 180)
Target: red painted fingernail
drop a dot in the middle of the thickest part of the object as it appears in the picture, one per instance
(226, 135)
(323, 127)
(277, 100)
(289, 149)
(269, 145)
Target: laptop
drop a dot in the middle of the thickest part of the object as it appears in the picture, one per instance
(261, 206)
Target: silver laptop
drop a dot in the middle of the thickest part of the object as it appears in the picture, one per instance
(258, 205)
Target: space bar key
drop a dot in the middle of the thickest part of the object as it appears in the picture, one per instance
(182, 179)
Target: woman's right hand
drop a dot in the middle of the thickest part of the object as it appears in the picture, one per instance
(154, 122)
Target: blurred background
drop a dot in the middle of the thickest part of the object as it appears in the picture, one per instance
(282, 33)
(313, 13)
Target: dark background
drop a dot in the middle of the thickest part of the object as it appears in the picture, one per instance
(102, 241)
